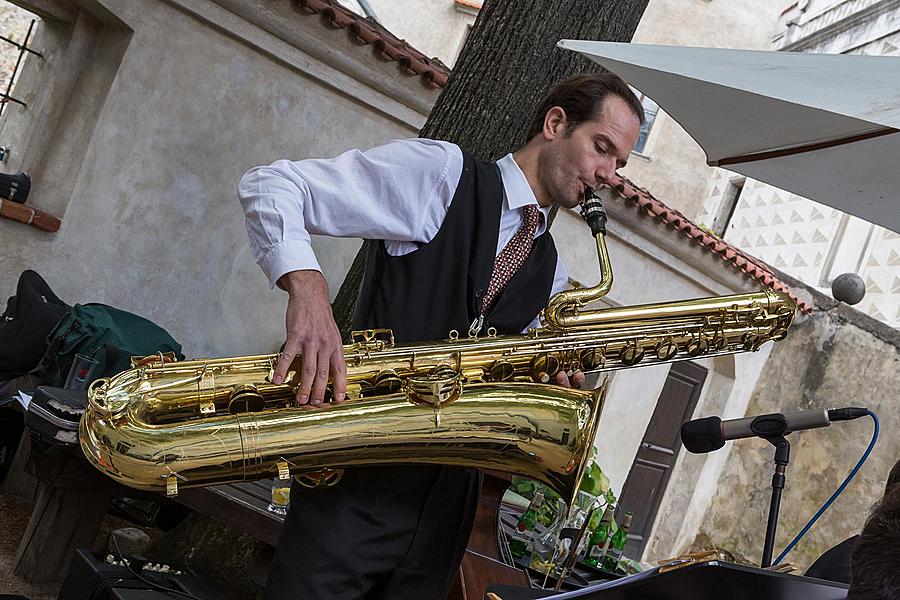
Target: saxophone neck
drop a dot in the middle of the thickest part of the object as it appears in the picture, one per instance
(564, 306)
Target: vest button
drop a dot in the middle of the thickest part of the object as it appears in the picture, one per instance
(478, 293)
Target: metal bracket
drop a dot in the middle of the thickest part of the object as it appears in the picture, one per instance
(436, 390)
(372, 339)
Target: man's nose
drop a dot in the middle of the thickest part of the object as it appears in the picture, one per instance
(606, 170)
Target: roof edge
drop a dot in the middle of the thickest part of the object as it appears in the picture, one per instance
(383, 42)
(650, 206)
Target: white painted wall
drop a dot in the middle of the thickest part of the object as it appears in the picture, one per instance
(150, 218)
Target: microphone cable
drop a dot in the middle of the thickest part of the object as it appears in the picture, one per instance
(836, 493)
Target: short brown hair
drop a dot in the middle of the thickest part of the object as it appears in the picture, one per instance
(876, 554)
(893, 478)
(582, 97)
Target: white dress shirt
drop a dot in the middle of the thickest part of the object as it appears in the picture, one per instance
(399, 192)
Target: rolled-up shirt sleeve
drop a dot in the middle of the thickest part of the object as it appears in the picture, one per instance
(399, 191)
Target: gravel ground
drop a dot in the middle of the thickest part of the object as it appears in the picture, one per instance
(14, 515)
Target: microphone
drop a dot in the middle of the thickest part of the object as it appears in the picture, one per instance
(711, 433)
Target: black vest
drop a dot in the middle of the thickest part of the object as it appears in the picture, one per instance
(438, 287)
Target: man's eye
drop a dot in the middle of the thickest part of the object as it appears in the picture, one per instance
(601, 149)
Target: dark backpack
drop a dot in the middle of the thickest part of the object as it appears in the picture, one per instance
(109, 335)
(29, 317)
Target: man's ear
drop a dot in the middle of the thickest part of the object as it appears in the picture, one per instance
(554, 123)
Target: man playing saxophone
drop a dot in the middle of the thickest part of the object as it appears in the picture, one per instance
(462, 244)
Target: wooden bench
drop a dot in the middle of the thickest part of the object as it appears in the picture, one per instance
(240, 506)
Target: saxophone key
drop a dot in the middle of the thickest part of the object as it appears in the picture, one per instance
(631, 354)
(666, 349)
(544, 367)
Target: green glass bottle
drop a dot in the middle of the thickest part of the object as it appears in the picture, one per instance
(617, 546)
(525, 527)
(597, 542)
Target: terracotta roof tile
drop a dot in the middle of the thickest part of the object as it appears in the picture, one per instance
(651, 206)
(386, 44)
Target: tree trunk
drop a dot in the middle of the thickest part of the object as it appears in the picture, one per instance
(508, 63)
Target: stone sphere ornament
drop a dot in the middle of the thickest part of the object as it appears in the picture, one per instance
(848, 288)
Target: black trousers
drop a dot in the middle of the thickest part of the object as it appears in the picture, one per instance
(380, 533)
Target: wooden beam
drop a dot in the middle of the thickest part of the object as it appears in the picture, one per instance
(28, 215)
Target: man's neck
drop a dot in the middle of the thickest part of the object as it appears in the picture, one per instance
(526, 158)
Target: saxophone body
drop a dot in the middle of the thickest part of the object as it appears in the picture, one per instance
(471, 401)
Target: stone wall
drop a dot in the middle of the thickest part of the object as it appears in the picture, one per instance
(836, 357)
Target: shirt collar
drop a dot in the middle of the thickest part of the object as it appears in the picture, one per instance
(518, 191)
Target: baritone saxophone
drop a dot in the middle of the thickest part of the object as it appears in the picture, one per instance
(470, 401)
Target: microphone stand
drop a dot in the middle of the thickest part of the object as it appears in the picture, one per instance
(782, 456)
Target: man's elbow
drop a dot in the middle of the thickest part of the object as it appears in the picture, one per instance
(248, 184)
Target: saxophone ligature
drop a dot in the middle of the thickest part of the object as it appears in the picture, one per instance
(482, 402)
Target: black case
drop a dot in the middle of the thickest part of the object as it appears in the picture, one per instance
(703, 581)
(91, 578)
(53, 414)
(15, 187)
(25, 324)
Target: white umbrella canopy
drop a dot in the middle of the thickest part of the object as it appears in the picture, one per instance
(823, 126)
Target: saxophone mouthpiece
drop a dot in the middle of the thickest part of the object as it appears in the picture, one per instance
(593, 213)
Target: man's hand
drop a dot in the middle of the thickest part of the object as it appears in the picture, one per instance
(313, 334)
(563, 379)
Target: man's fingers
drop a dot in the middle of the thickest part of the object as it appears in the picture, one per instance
(317, 393)
(578, 379)
(284, 361)
(307, 375)
(563, 379)
(339, 372)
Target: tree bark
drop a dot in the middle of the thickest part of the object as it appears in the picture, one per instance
(508, 63)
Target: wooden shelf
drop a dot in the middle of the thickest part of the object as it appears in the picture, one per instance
(29, 215)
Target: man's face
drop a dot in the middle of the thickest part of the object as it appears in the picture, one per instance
(588, 155)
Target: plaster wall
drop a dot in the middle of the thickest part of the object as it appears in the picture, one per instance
(672, 164)
(630, 403)
(837, 357)
(726, 393)
(152, 224)
(814, 243)
(437, 29)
